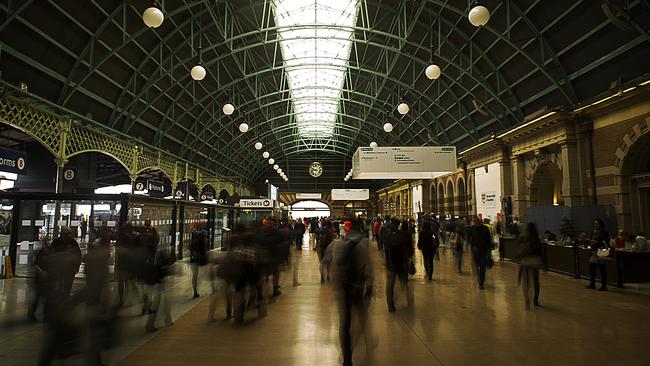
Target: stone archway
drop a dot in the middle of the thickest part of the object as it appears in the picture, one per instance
(546, 185)
(441, 199)
(634, 168)
(462, 197)
(433, 199)
(450, 198)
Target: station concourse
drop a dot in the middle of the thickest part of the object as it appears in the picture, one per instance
(311, 182)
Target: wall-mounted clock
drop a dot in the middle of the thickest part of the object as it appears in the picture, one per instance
(315, 169)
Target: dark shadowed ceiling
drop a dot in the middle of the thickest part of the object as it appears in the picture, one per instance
(98, 58)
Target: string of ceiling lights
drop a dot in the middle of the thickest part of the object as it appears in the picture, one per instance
(153, 17)
(266, 155)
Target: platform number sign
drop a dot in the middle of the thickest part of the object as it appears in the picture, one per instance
(139, 186)
(68, 174)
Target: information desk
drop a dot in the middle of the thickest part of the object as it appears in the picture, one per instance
(626, 266)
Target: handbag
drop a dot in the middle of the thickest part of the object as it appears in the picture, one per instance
(603, 253)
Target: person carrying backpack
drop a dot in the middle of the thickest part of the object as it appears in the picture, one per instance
(353, 280)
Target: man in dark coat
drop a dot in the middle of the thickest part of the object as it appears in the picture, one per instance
(481, 243)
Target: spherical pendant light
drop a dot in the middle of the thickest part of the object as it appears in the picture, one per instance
(280, 171)
(266, 155)
(198, 72)
(258, 146)
(373, 144)
(432, 71)
(243, 127)
(479, 15)
(403, 108)
(153, 17)
(271, 161)
(276, 167)
(388, 127)
(228, 109)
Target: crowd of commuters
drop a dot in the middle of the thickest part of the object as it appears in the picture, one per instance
(247, 275)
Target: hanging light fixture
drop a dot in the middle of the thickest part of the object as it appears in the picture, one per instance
(153, 17)
(402, 107)
(198, 71)
(243, 127)
(271, 161)
(432, 72)
(280, 171)
(479, 15)
(266, 155)
(228, 109)
(258, 146)
(373, 144)
(276, 167)
(388, 127)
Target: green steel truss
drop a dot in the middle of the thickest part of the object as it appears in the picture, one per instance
(65, 138)
(511, 67)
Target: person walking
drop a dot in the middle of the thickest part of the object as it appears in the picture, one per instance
(353, 282)
(601, 254)
(481, 245)
(299, 232)
(323, 240)
(428, 245)
(457, 247)
(530, 262)
(70, 255)
(399, 253)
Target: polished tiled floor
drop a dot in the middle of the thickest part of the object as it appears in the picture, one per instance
(452, 323)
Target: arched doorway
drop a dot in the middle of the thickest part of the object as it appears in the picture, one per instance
(546, 186)
(450, 198)
(433, 199)
(304, 209)
(462, 197)
(441, 199)
(636, 173)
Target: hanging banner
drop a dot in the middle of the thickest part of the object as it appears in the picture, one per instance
(13, 161)
(350, 194)
(421, 162)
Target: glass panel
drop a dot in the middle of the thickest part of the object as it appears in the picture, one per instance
(315, 42)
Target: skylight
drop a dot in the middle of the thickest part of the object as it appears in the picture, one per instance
(315, 39)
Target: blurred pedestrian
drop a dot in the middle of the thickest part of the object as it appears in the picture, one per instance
(323, 240)
(457, 247)
(69, 259)
(353, 279)
(428, 244)
(530, 257)
(399, 254)
(601, 254)
(481, 244)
